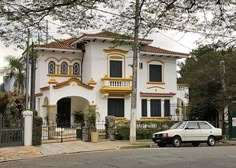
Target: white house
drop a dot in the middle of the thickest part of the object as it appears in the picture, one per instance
(92, 70)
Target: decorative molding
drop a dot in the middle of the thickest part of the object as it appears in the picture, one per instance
(115, 50)
(116, 57)
(152, 87)
(92, 82)
(170, 94)
(63, 75)
(38, 94)
(52, 81)
(45, 88)
(156, 83)
(155, 118)
(157, 60)
(120, 118)
(68, 82)
(119, 79)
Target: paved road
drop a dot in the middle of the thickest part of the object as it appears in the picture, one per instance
(184, 157)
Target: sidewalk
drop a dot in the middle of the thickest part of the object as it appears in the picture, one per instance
(16, 153)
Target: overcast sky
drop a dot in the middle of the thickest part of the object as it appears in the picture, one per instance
(171, 40)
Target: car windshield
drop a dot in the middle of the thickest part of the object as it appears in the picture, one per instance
(178, 125)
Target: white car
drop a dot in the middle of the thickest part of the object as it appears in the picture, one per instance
(194, 132)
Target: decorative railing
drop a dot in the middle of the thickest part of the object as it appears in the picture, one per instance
(117, 82)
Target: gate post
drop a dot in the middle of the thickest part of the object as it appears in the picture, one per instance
(28, 127)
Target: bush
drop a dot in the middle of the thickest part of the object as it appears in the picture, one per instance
(144, 128)
(37, 130)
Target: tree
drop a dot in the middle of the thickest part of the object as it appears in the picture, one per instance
(15, 69)
(211, 86)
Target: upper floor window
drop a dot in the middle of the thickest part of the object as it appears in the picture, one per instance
(116, 68)
(76, 69)
(155, 73)
(64, 68)
(51, 67)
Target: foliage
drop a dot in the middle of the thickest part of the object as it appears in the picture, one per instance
(212, 84)
(74, 15)
(78, 116)
(144, 130)
(90, 117)
(15, 69)
(37, 131)
(11, 106)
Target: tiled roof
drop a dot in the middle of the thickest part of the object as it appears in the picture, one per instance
(161, 51)
(64, 44)
(67, 83)
(170, 94)
(108, 34)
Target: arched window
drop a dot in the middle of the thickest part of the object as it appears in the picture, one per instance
(64, 68)
(51, 67)
(76, 69)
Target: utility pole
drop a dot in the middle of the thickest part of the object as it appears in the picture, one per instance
(27, 73)
(134, 76)
(32, 87)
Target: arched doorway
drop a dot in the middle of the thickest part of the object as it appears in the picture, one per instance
(64, 112)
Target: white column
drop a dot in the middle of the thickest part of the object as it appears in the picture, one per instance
(162, 108)
(28, 127)
(148, 108)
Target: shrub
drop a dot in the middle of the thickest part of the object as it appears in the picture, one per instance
(144, 128)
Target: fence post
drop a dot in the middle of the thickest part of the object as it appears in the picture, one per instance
(28, 127)
(110, 127)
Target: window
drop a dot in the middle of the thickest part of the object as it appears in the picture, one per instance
(51, 67)
(76, 69)
(167, 107)
(192, 125)
(155, 73)
(116, 69)
(204, 125)
(64, 68)
(144, 107)
(155, 108)
(116, 107)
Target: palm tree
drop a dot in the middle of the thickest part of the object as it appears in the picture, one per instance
(15, 69)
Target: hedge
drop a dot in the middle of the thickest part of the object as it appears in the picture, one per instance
(144, 128)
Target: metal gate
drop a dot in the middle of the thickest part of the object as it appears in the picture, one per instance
(11, 134)
(232, 121)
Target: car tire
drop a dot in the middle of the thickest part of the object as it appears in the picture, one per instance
(176, 141)
(161, 144)
(195, 144)
(211, 141)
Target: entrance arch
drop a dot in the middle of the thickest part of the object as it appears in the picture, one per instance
(66, 107)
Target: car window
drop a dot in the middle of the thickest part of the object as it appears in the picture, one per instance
(179, 125)
(192, 125)
(204, 125)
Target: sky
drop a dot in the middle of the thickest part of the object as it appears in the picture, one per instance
(170, 40)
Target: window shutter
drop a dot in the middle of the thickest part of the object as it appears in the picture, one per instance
(167, 108)
(155, 73)
(116, 69)
(144, 107)
(155, 108)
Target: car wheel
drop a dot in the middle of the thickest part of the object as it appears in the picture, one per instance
(176, 141)
(160, 144)
(196, 144)
(211, 141)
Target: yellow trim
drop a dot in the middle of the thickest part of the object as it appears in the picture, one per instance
(51, 105)
(92, 82)
(63, 75)
(38, 94)
(45, 88)
(92, 106)
(58, 69)
(156, 83)
(115, 50)
(182, 85)
(70, 69)
(52, 81)
(120, 118)
(119, 79)
(116, 90)
(116, 57)
(157, 60)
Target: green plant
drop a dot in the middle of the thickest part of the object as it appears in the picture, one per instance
(90, 117)
(78, 116)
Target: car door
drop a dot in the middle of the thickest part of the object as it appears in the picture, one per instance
(206, 130)
(191, 132)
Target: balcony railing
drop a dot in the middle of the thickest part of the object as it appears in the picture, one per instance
(116, 85)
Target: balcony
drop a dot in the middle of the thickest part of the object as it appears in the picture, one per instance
(116, 86)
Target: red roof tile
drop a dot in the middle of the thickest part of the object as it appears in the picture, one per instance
(170, 94)
(64, 44)
(161, 51)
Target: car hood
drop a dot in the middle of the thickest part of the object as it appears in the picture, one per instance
(166, 131)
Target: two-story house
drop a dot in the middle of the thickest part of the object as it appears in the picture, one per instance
(92, 70)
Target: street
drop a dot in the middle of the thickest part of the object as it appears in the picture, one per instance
(184, 157)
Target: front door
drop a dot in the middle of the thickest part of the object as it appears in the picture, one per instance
(191, 132)
(63, 112)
